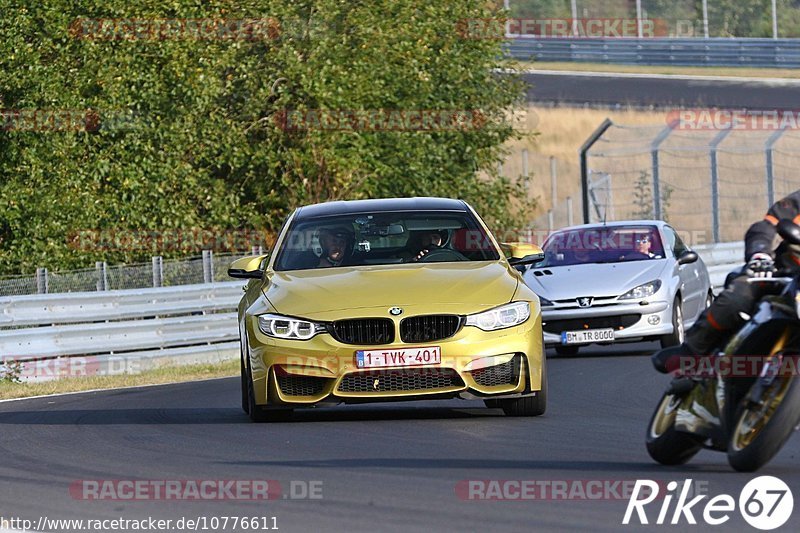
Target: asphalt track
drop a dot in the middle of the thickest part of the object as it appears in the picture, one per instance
(383, 467)
(661, 92)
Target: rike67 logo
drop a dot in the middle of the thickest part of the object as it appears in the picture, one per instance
(765, 503)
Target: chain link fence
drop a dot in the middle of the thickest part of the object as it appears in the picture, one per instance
(677, 18)
(713, 183)
(207, 268)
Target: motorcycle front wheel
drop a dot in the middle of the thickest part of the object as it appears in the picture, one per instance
(664, 443)
(763, 428)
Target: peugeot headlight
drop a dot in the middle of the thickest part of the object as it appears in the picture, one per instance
(642, 291)
(284, 327)
(501, 317)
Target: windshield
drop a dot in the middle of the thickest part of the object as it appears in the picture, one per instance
(603, 244)
(381, 238)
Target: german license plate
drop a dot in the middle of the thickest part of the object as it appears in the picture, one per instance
(382, 357)
(587, 336)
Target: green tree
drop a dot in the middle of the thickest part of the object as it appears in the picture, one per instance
(202, 145)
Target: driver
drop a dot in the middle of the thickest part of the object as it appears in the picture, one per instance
(427, 242)
(336, 244)
(730, 309)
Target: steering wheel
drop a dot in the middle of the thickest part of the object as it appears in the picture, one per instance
(441, 255)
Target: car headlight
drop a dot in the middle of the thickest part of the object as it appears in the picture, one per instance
(284, 327)
(501, 317)
(642, 291)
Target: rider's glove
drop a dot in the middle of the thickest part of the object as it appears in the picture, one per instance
(761, 265)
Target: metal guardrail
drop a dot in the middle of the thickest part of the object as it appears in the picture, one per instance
(720, 259)
(72, 308)
(134, 325)
(781, 53)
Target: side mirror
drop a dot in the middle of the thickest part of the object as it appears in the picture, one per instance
(247, 267)
(688, 257)
(523, 253)
(789, 231)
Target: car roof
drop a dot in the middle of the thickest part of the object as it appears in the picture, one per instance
(615, 224)
(352, 207)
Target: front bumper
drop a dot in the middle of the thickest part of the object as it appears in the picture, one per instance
(475, 364)
(631, 321)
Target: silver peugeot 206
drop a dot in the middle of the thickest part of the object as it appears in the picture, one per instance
(618, 282)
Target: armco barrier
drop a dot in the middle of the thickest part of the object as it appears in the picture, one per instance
(780, 53)
(140, 328)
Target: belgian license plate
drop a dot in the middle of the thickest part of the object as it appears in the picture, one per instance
(382, 357)
(587, 335)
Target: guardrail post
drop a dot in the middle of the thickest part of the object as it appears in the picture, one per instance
(769, 148)
(158, 271)
(101, 267)
(593, 138)
(654, 148)
(42, 285)
(208, 266)
(715, 182)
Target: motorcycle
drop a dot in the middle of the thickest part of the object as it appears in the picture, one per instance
(748, 414)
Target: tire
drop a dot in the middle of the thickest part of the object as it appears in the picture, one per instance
(567, 350)
(678, 333)
(528, 405)
(664, 443)
(257, 412)
(749, 449)
(245, 400)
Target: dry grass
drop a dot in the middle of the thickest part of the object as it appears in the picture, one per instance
(171, 374)
(744, 72)
(561, 132)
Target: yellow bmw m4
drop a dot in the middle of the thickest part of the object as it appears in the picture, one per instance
(388, 300)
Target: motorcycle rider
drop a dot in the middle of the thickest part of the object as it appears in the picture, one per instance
(730, 309)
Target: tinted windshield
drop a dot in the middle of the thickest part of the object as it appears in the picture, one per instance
(604, 244)
(384, 238)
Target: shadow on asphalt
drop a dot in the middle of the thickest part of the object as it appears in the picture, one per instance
(101, 417)
(485, 463)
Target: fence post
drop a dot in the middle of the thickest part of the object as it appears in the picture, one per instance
(158, 271)
(715, 182)
(654, 148)
(769, 147)
(208, 266)
(570, 218)
(42, 285)
(553, 182)
(593, 138)
(101, 267)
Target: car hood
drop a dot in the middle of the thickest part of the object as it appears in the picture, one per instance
(455, 287)
(598, 280)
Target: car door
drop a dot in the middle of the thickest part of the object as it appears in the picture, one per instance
(692, 290)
